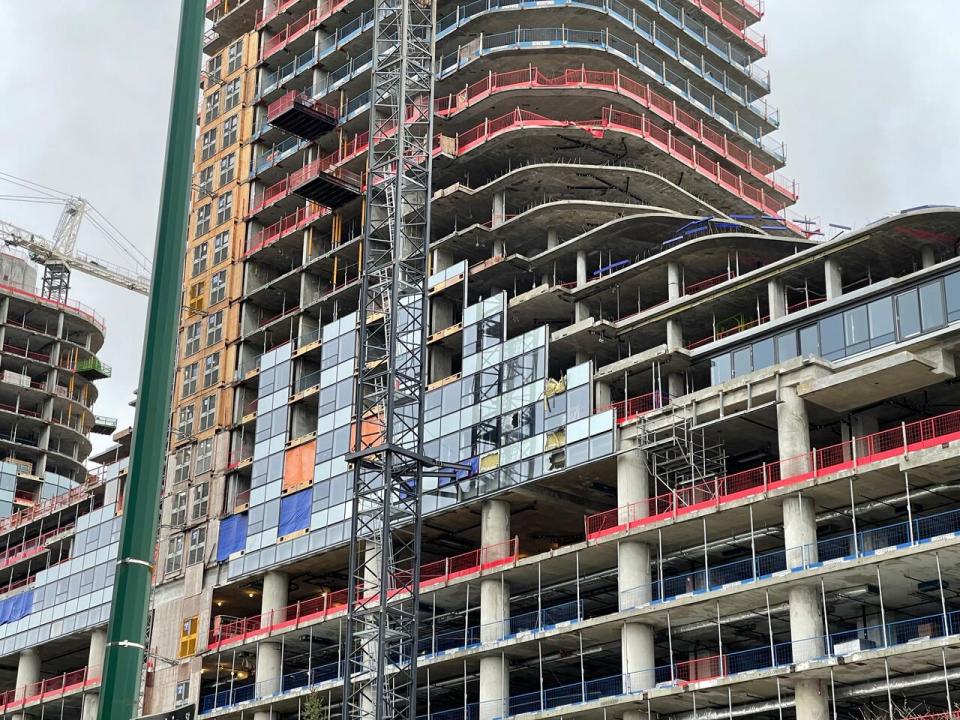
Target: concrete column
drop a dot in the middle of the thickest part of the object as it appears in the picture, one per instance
(580, 311)
(833, 278)
(494, 610)
(633, 570)
(91, 700)
(602, 396)
(776, 300)
(674, 335)
(552, 241)
(676, 385)
(674, 281)
(800, 530)
(806, 613)
(793, 434)
(269, 656)
(499, 248)
(811, 700)
(28, 672)
(499, 208)
(581, 267)
(928, 257)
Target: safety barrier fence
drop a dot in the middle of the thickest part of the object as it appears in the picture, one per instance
(42, 509)
(540, 38)
(727, 663)
(849, 546)
(611, 120)
(857, 452)
(50, 689)
(654, 32)
(641, 93)
(84, 311)
(29, 548)
(229, 630)
(636, 406)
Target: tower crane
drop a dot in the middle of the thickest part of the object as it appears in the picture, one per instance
(59, 255)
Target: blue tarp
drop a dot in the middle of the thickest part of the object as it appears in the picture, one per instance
(16, 607)
(233, 536)
(295, 512)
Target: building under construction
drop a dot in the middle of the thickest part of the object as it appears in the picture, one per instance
(704, 456)
(59, 521)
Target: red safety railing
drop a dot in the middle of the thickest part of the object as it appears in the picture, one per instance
(727, 332)
(709, 282)
(237, 457)
(287, 101)
(290, 33)
(228, 630)
(737, 26)
(86, 312)
(49, 689)
(293, 222)
(638, 125)
(24, 352)
(858, 452)
(634, 407)
(29, 548)
(699, 669)
(54, 504)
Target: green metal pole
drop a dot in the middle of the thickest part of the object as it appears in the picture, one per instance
(126, 642)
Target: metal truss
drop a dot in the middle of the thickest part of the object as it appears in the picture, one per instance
(381, 635)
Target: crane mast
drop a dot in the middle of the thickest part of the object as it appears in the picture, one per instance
(381, 634)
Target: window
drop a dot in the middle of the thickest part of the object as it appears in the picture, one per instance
(183, 692)
(786, 346)
(178, 509)
(185, 421)
(189, 385)
(218, 287)
(235, 56)
(221, 247)
(201, 495)
(951, 285)
(214, 327)
(211, 369)
(224, 208)
(204, 457)
(205, 181)
(228, 167)
(908, 314)
(198, 538)
(181, 465)
(174, 555)
(882, 328)
(231, 95)
(831, 337)
(211, 106)
(203, 220)
(197, 297)
(191, 341)
(932, 314)
(856, 329)
(229, 131)
(188, 635)
(208, 412)
(208, 146)
(214, 67)
(199, 259)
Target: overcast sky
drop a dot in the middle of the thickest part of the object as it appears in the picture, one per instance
(867, 91)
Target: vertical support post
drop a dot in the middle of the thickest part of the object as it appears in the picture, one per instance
(126, 641)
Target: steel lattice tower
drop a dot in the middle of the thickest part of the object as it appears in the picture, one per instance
(380, 666)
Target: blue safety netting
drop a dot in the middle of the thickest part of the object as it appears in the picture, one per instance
(233, 536)
(16, 607)
(295, 512)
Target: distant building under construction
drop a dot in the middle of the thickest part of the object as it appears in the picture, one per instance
(707, 454)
